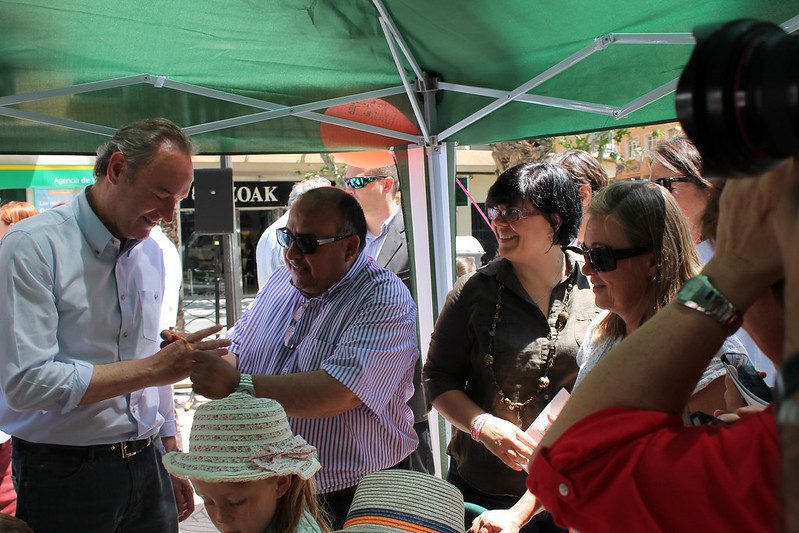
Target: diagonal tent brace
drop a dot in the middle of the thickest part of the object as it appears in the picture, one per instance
(397, 36)
(54, 121)
(318, 117)
(303, 112)
(273, 110)
(547, 101)
(599, 44)
(405, 83)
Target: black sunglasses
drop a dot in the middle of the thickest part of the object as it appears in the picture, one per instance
(668, 183)
(359, 182)
(307, 244)
(510, 214)
(604, 258)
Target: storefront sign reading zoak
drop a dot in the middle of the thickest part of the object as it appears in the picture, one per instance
(253, 194)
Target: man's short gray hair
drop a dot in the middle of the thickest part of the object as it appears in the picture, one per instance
(140, 141)
(301, 187)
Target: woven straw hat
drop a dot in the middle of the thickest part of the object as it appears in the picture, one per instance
(401, 500)
(241, 438)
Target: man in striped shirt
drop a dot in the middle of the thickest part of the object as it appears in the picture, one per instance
(332, 337)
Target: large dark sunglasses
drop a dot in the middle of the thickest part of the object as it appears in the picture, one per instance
(359, 182)
(307, 244)
(510, 214)
(604, 258)
(668, 183)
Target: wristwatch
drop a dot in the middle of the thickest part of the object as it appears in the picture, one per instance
(700, 294)
(245, 385)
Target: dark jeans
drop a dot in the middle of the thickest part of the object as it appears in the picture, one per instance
(66, 492)
(421, 460)
(337, 503)
(541, 523)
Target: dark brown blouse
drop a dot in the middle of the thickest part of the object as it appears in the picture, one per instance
(459, 345)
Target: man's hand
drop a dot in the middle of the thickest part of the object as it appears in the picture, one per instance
(497, 521)
(169, 336)
(184, 493)
(747, 255)
(175, 361)
(212, 376)
(184, 497)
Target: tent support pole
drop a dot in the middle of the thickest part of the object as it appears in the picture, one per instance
(440, 193)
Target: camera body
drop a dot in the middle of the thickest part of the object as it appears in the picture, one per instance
(738, 97)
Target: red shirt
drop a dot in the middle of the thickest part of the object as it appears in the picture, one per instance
(631, 470)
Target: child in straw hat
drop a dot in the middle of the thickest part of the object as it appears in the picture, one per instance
(253, 474)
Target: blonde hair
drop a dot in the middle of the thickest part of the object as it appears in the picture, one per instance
(13, 212)
(292, 506)
(651, 218)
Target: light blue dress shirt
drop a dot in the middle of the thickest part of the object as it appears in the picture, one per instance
(73, 298)
(374, 243)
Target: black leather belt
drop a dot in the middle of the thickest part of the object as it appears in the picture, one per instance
(123, 449)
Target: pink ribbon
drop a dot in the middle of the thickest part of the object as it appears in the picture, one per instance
(471, 198)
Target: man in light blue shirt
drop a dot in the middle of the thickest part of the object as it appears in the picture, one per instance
(82, 393)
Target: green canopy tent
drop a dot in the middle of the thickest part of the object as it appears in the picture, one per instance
(247, 76)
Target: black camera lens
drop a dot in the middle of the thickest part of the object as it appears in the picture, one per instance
(738, 97)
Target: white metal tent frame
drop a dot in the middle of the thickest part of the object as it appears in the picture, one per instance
(431, 228)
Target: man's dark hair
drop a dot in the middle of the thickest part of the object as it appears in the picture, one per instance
(352, 222)
(140, 141)
(583, 167)
(549, 188)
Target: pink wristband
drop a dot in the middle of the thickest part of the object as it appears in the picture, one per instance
(477, 425)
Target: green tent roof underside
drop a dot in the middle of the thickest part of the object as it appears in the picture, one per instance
(293, 52)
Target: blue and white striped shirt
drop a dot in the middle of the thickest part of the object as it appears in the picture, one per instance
(362, 332)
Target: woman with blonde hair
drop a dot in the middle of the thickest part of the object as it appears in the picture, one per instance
(253, 474)
(12, 212)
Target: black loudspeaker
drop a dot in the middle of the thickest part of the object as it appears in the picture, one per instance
(213, 201)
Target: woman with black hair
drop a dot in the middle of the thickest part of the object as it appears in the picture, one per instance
(508, 334)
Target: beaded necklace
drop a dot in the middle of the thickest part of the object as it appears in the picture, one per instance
(557, 318)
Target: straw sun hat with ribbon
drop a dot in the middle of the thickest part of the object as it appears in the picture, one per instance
(241, 438)
(393, 501)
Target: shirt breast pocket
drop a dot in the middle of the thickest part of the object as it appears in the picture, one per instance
(311, 352)
(150, 320)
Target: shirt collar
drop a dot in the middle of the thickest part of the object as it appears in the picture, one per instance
(502, 270)
(96, 233)
(384, 226)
